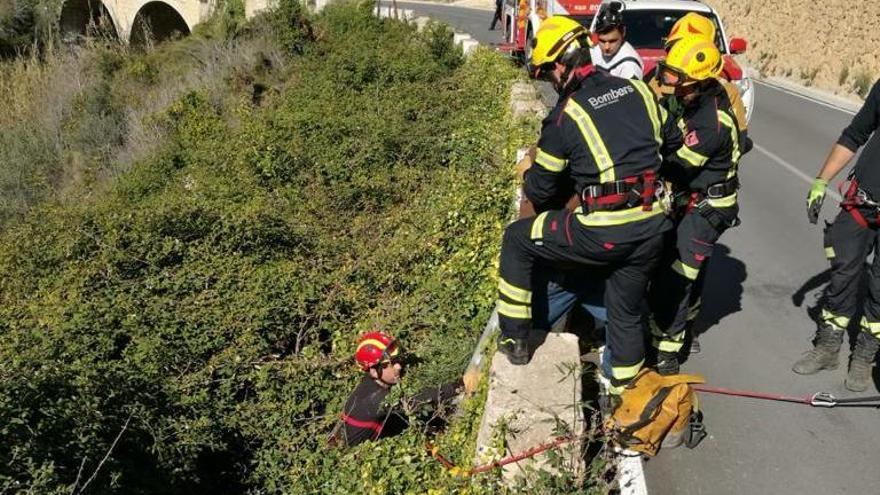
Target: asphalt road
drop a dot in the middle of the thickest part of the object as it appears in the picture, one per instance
(762, 281)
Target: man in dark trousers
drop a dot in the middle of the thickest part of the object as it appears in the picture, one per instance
(848, 242)
(704, 177)
(365, 415)
(607, 134)
(497, 17)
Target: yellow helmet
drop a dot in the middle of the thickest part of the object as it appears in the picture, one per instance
(690, 60)
(691, 24)
(557, 36)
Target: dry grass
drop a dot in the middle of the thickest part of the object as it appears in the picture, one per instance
(78, 117)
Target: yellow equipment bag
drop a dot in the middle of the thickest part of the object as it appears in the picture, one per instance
(654, 407)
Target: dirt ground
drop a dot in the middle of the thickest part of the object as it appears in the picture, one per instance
(832, 45)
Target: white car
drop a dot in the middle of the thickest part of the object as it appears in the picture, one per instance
(648, 23)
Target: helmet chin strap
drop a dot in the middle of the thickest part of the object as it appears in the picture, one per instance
(378, 379)
(562, 83)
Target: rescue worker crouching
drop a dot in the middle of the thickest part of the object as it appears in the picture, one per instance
(365, 415)
(607, 135)
(848, 241)
(704, 176)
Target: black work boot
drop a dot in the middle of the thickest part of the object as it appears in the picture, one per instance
(824, 355)
(859, 376)
(667, 363)
(516, 349)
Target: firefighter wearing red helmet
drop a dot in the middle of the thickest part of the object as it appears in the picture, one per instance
(365, 415)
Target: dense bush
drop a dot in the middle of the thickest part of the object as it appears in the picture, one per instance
(191, 318)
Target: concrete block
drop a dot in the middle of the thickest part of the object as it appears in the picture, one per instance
(468, 46)
(530, 400)
(457, 38)
(525, 101)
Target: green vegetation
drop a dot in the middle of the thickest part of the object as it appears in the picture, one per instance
(193, 236)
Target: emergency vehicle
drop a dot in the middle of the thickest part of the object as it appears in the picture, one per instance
(521, 19)
(648, 23)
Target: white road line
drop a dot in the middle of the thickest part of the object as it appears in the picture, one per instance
(791, 168)
(632, 476)
(806, 97)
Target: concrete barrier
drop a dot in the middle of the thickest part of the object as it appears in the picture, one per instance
(526, 405)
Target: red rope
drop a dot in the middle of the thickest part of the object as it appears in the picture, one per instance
(501, 462)
(755, 395)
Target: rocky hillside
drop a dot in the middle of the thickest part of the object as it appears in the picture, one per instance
(832, 45)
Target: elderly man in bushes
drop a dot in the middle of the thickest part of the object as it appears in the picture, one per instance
(365, 415)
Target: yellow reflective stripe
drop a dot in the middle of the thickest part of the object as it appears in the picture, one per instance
(626, 372)
(513, 292)
(691, 156)
(651, 106)
(549, 161)
(829, 252)
(514, 310)
(593, 139)
(685, 271)
(664, 115)
(377, 343)
(619, 217)
(725, 202)
(872, 327)
(538, 226)
(668, 345)
(728, 121)
(836, 321)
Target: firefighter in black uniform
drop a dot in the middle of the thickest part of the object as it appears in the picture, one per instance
(365, 415)
(605, 134)
(703, 173)
(848, 242)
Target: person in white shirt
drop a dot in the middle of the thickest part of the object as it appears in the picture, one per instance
(613, 53)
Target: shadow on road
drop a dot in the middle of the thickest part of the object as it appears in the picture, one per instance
(722, 292)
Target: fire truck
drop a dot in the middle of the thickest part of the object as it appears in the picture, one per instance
(522, 18)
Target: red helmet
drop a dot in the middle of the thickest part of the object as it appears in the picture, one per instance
(374, 348)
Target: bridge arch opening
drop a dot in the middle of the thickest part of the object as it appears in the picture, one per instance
(83, 18)
(157, 21)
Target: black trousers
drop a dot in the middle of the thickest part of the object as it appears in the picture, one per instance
(557, 238)
(497, 17)
(674, 296)
(847, 246)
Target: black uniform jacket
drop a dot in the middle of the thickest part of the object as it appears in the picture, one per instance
(365, 417)
(861, 131)
(607, 129)
(711, 148)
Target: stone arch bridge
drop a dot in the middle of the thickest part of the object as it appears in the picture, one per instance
(134, 20)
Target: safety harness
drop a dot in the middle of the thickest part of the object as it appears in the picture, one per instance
(856, 198)
(621, 194)
(700, 201)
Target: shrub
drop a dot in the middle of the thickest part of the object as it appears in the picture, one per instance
(192, 318)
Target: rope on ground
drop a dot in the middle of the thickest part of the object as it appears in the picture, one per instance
(819, 399)
(454, 470)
